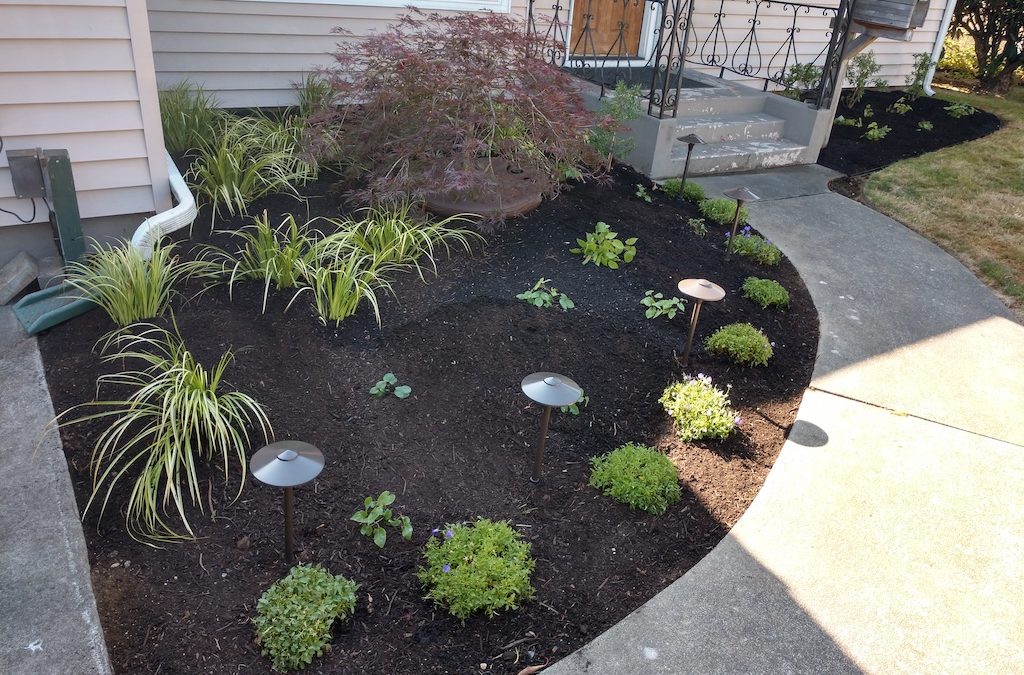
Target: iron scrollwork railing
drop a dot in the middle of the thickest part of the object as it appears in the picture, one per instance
(801, 70)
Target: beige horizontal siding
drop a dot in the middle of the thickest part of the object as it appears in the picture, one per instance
(70, 79)
(251, 53)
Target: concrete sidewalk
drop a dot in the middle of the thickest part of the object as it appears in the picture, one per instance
(48, 619)
(889, 536)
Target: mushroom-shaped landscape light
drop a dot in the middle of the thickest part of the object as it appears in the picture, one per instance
(740, 194)
(287, 464)
(690, 140)
(548, 389)
(701, 290)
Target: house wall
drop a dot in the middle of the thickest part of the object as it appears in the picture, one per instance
(251, 53)
(78, 75)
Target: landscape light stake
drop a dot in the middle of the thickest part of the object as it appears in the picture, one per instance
(548, 389)
(690, 140)
(701, 290)
(287, 464)
(740, 194)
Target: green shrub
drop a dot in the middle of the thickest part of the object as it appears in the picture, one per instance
(699, 409)
(691, 192)
(801, 77)
(124, 284)
(615, 110)
(294, 616)
(958, 110)
(862, 68)
(722, 210)
(755, 247)
(484, 566)
(340, 279)
(958, 56)
(544, 295)
(673, 187)
(189, 117)
(766, 292)
(176, 411)
(740, 343)
(603, 248)
(915, 78)
(638, 476)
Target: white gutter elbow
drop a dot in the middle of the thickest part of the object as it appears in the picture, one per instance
(947, 17)
(182, 215)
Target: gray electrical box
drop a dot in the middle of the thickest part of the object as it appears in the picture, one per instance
(27, 173)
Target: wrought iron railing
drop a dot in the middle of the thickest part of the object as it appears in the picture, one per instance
(799, 68)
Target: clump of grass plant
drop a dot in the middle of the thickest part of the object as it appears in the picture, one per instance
(766, 292)
(294, 616)
(755, 247)
(699, 409)
(483, 566)
(340, 278)
(722, 210)
(315, 95)
(127, 286)
(177, 414)
(638, 476)
(190, 117)
(741, 343)
(691, 192)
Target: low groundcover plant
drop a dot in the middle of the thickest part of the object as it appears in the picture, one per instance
(483, 566)
(766, 292)
(722, 210)
(755, 247)
(638, 476)
(699, 409)
(294, 616)
(741, 343)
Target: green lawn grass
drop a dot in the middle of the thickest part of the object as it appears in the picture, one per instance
(968, 198)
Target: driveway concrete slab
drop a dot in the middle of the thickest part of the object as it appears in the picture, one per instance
(887, 544)
(48, 618)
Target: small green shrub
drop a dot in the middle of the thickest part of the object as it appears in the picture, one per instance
(642, 193)
(484, 566)
(876, 133)
(189, 117)
(766, 292)
(699, 409)
(862, 68)
(959, 110)
(801, 77)
(915, 78)
(691, 192)
(722, 210)
(124, 284)
(375, 514)
(698, 227)
(603, 248)
(673, 187)
(544, 295)
(614, 111)
(658, 305)
(740, 343)
(958, 55)
(848, 121)
(389, 383)
(340, 279)
(638, 476)
(755, 247)
(925, 125)
(294, 616)
(900, 106)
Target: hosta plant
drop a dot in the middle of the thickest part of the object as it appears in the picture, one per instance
(375, 515)
(699, 409)
(741, 343)
(638, 476)
(722, 210)
(389, 383)
(294, 616)
(658, 305)
(483, 566)
(177, 415)
(604, 248)
(436, 103)
(766, 292)
(126, 285)
(755, 247)
(544, 295)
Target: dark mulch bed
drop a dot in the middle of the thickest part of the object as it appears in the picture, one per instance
(458, 448)
(848, 151)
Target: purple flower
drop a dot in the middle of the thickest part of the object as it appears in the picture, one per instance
(737, 420)
(434, 531)
(446, 568)
(449, 533)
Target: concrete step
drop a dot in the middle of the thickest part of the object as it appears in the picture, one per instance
(709, 101)
(742, 155)
(724, 128)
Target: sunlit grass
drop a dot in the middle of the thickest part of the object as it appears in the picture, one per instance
(968, 198)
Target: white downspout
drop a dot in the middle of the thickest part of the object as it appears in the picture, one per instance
(947, 17)
(182, 215)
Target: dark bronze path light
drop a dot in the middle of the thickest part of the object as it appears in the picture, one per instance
(287, 464)
(548, 389)
(701, 290)
(690, 140)
(740, 194)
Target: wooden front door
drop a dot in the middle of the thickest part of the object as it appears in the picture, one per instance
(613, 28)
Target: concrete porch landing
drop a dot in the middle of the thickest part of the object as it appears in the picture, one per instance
(889, 535)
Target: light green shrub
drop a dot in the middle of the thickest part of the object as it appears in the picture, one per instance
(480, 567)
(766, 292)
(638, 476)
(699, 409)
(755, 247)
(722, 210)
(741, 343)
(294, 616)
